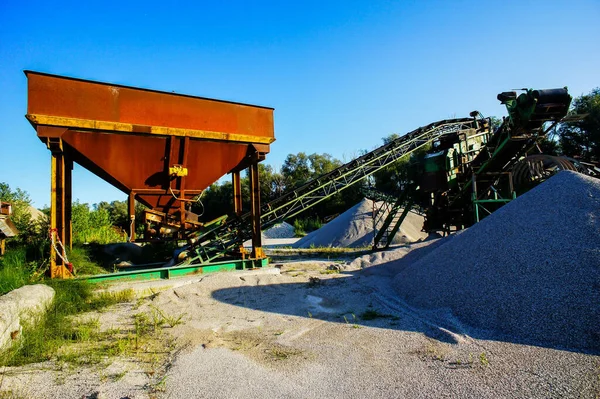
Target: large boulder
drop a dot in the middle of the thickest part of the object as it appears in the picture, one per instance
(20, 306)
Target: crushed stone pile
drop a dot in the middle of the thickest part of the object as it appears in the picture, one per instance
(354, 228)
(280, 230)
(530, 272)
(408, 254)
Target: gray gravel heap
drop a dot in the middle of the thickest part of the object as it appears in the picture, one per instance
(280, 230)
(354, 228)
(529, 273)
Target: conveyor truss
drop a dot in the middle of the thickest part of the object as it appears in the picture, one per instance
(486, 179)
(226, 239)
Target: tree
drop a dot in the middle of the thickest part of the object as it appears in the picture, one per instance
(582, 138)
(495, 123)
(296, 170)
(321, 164)
(394, 177)
(94, 225)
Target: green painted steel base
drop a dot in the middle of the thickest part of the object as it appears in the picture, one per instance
(179, 271)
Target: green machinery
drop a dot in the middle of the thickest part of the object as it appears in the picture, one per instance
(466, 176)
(466, 173)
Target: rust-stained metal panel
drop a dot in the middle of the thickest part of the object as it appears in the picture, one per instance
(133, 137)
(138, 163)
(58, 96)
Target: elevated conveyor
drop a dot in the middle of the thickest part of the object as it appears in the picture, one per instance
(226, 239)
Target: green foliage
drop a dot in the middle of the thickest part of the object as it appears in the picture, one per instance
(582, 138)
(296, 170)
(306, 225)
(16, 271)
(299, 168)
(118, 214)
(393, 178)
(216, 200)
(81, 258)
(94, 225)
(496, 123)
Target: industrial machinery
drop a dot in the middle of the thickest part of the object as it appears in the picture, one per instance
(164, 149)
(160, 148)
(464, 177)
(465, 174)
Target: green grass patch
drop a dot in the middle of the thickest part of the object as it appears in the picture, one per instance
(83, 261)
(330, 271)
(44, 339)
(16, 271)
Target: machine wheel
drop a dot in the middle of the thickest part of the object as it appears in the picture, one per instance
(534, 169)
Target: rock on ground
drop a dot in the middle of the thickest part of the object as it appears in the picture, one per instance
(20, 306)
(530, 271)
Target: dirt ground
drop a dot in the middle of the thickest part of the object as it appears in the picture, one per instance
(305, 330)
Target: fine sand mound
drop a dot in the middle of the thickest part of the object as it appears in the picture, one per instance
(354, 228)
(280, 230)
(530, 271)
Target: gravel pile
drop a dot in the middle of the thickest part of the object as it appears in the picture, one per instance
(354, 228)
(280, 230)
(530, 271)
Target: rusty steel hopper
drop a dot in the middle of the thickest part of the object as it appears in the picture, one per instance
(160, 148)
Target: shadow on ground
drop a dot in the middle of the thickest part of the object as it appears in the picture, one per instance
(362, 298)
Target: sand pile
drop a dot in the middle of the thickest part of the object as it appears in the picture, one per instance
(529, 272)
(280, 230)
(354, 228)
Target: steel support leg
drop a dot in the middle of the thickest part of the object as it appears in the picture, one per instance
(58, 222)
(257, 251)
(68, 201)
(237, 193)
(131, 211)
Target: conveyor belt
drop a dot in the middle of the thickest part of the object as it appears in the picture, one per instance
(229, 237)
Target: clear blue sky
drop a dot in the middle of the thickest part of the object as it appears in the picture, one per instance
(340, 74)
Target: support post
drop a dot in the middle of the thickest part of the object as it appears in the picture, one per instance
(131, 211)
(237, 193)
(257, 251)
(58, 172)
(68, 204)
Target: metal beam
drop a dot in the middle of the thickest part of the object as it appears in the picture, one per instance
(237, 193)
(257, 251)
(58, 264)
(131, 212)
(117, 127)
